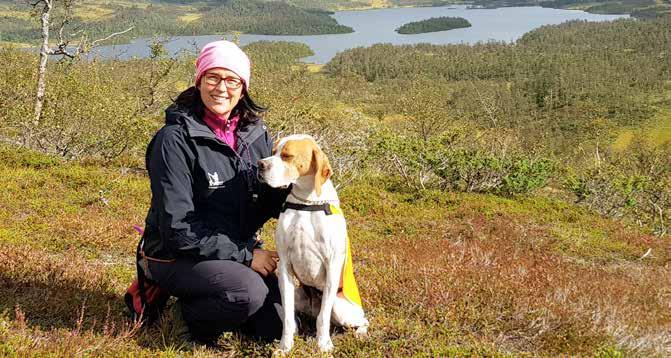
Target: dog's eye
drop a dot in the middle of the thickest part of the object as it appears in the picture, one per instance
(286, 156)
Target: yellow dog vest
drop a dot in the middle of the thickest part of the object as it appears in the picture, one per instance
(349, 286)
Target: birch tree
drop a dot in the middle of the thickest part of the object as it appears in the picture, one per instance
(62, 48)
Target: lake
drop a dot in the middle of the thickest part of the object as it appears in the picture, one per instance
(377, 26)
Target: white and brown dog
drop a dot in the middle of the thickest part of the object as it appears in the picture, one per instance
(312, 242)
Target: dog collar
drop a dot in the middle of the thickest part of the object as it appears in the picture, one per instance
(327, 208)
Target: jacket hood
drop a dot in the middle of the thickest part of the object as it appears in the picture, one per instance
(175, 114)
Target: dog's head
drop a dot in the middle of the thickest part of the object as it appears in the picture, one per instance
(294, 157)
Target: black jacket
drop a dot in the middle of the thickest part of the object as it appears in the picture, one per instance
(207, 201)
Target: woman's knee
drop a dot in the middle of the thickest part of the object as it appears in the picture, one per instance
(240, 286)
(257, 291)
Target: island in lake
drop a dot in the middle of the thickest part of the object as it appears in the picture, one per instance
(433, 24)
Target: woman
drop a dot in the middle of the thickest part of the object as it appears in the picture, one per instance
(207, 204)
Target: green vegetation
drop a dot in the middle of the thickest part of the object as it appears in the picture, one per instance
(637, 8)
(489, 212)
(572, 87)
(559, 78)
(16, 29)
(268, 18)
(454, 161)
(335, 5)
(149, 19)
(433, 24)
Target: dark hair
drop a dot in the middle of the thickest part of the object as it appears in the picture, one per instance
(246, 108)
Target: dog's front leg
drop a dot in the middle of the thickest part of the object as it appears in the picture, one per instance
(287, 288)
(328, 299)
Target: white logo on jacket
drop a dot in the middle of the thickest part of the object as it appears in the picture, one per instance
(214, 180)
(311, 245)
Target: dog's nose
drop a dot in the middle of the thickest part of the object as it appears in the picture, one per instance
(262, 164)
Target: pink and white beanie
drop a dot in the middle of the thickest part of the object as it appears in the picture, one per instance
(223, 54)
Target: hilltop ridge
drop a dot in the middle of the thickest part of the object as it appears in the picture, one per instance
(440, 273)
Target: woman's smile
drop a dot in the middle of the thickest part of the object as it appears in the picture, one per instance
(221, 99)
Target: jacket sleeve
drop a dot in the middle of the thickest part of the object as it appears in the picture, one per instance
(170, 166)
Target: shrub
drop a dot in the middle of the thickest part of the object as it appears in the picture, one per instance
(451, 161)
(99, 109)
(22, 157)
(635, 184)
(527, 174)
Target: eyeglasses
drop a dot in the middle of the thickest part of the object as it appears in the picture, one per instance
(229, 82)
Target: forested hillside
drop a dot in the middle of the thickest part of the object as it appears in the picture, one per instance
(562, 92)
(502, 199)
(558, 77)
(637, 8)
(152, 19)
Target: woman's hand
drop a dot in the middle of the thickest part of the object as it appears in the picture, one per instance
(264, 261)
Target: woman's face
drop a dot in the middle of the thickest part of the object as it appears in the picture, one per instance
(220, 90)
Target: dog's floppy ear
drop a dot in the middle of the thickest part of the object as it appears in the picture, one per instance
(323, 168)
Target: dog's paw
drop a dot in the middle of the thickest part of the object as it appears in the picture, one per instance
(285, 346)
(361, 331)
(278, 353)
(325, 344)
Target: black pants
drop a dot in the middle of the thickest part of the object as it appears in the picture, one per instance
(221, 295)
